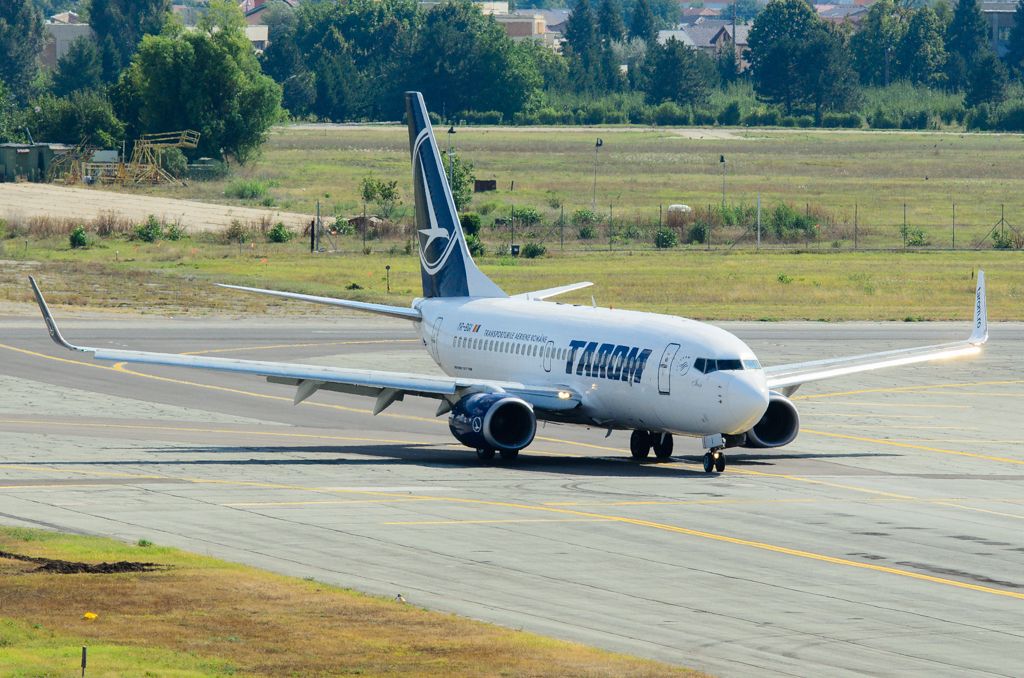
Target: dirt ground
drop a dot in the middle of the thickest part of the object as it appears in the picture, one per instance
(26, 200)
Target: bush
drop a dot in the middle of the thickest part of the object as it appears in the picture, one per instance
(481, 117)
(236, 232)
(670, 113)
(470, 223)
(703, 118)
(174, 162)
(174, 232)
(527, 216)
(476, 248)
(881, 120)
(979, 118)
(585, 217)
(761, 117)
(533, 250)
(698, 233)
(665, 238)
(587, 232)
(246, 189)
(730, 115)
(914, 236)
(914, 120)
(632, 232)
(151, 231)
(207, 169)
(848, 120)
(280, 233)
(1001, 240)
(786, 223)
(1010, 117)
(78, 238)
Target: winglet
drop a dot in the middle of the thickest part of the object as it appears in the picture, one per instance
(51, 325)
(979, 335)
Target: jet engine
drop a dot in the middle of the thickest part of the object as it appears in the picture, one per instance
(778, 426)
(493, 421)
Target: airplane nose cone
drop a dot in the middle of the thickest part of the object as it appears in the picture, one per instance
(748, 400)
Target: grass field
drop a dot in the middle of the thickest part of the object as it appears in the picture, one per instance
(196, 616)
(176, 278)
(838, 173)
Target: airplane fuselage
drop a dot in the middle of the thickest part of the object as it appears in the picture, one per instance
(634, 370)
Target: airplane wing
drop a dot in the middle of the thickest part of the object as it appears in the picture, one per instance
(788, 378)
(552, 291)
(380, 309)
(386, 387)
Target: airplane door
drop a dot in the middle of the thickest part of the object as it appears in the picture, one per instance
(665, 368)
(434, 348)
(549, 350)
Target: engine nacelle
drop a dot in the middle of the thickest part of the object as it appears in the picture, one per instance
(778, 426)
(493, 421)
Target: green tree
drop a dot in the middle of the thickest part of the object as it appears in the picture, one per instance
(8, 111)
(463, 176)
(921, 54)
(79, 68)
(874, 44)
(581, 47)
(988, 80)
(829, 81)
(746, 10)
(641, 22)
(21, 41)
(610, 26)
(208, 80)
(465, 61)
(120, 25)
(966, 40)
(1015, 44)
(679, 73)
(80, 116)
(285, 63)
(727, 65)
(383, 194)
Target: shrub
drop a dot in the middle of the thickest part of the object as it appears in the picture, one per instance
(730, 115)
(236, 232)
(476, 248)
(632, 232)
(914, 120)
(761, 117)
(174, 232)
(703, 118)
(1001, 240)
(849, 120)
(784, 279)
(280, 233)
(665, 238)
(670, 113)
(527, 216)
(207, 169)
(587, 232)
(470, 223)
(78, 238)
(174, 162)
(914, 236)
(482, 117)
(1010, 117)
(786, 223)
(979, 118)
(533, 250)
(246, 189)
(585, 217)
(881, 120)
(698, 233)
(151, 231)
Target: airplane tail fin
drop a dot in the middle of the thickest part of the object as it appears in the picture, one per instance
(446, 266)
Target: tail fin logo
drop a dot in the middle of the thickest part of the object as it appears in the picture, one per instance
(438, 240)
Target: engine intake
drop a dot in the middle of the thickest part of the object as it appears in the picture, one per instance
(493, 421)
(779, 425)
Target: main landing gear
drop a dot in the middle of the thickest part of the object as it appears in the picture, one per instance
(641, 443)
(484, 454)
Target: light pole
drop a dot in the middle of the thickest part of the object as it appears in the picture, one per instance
(597, 146)
(451, 158)
(721, 161)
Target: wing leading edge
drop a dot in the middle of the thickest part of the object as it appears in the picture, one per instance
(788, 378)
(387, 387)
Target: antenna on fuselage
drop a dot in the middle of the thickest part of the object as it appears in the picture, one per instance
(593, 301)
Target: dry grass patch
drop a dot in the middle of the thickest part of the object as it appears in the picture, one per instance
(201, 616)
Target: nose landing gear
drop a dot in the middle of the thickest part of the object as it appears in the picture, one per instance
(714, 460)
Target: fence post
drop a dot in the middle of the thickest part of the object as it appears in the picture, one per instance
(954, 225)
(709, 227)
(759, 220)
(904, 226)
(611, 229)
(855, 216)
(561, 227)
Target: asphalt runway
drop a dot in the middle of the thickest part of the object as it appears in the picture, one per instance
(887, 540)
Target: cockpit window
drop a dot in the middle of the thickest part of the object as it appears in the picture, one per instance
(751, 364)
(709, 365)
(730, 364)
(698, 364)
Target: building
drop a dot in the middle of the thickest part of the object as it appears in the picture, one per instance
(27, 162)
(999, 16)
(58, 36)
(253, 9)
(842, 14)
(691, 15)
(523, 26)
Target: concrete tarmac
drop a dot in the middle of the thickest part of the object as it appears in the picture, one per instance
(887, 540)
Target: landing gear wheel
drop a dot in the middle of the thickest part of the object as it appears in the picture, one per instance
(509, 455)
(709, 462)
(640, 444)
(484, 455)
(662, 445)
(720, 461)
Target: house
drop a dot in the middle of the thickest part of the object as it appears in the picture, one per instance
(677, 35)
(842, 14)
(253, 9)
(999, 16)
(58, 36)
(691, 15)
(523, 26)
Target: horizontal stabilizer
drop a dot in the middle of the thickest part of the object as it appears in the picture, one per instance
(552, 291)
(380, 309)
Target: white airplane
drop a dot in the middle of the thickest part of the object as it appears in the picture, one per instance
(514, 360)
